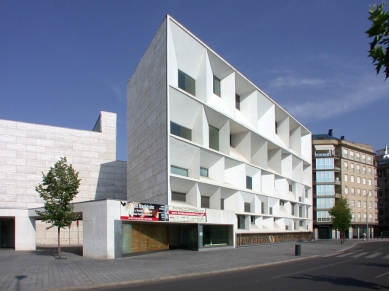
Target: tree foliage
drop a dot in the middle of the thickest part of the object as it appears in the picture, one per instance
(379, 31)
(58, 188)
(342, 216)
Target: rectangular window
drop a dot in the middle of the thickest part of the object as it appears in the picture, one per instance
(246, 207)
(249, 182)
(241, 222)
(325, 190)
(181, 131)
(306, 193)
(358, 192)
(216, 86)
(351, 155)
(290, 188)
(203, 172)
(326, 163)
(345, 153)
(213, 138)
(357, 157)
(271, 210)
(346, 190)
(252, 219)
(222, 204)
(352, 191)
(179, 171)
(275, 127)
(293, 205)
(325, 176)
(325, 203)
(352, 168)
(176, 196)
(262, 207)
(186, 83)
(301, 223)
(282, 202)
(352, 179)
(237, 101)
(345, 166)
(204, 202)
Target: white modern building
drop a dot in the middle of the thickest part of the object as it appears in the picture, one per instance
(202, 136)
(213, 162)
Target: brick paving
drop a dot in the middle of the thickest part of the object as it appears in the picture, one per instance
(39, 270)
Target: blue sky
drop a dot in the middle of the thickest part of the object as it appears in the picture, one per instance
(62, 62)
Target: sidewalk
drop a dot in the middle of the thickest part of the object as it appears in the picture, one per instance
(38, 270)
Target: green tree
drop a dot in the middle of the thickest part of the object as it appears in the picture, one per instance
(341, 214)
(58, 188)
(379, 31)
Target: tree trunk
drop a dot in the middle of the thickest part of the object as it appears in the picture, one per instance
(59, 243)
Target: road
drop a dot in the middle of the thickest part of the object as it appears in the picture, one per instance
(364, 267)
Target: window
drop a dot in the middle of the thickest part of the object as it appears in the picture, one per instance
(203, 172)
(359, 192)
(213, 138)
(352, 204)
(179, 196)
(346, 190)
(181, 131)
(306, 193)
(352, 167)
(345, 153)
(369, 160)
(252, 218)
(352, 216)
(275, 127)
(325, 190)
(370, 204)
(322, 164)
(301, 223)
(352, 179)
(369, 171)
(364, 192)
(293, 205)
(352, 191)
(351, 155)
(357, 157)
(358, 180)
(369, 182)
(216, 85)
(325, 176)
(237, 101)
(246, 207)
(204, 202)
(325, 202)
(249, 182)
(323, 216)
(363, 158)
(186, 83)
(222, 204)
(364, 181)
(271, 210)
(262, 207)
(359, 203)
(282, 202)
(241, 222)
(358, 169)
(290, 188)
(345, 166)
(179, 171)
(364, 170)
(346, 178)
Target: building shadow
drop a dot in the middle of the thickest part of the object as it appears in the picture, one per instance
(19, 278)
(343, 282)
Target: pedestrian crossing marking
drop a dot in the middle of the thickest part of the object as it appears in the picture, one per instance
(359, 255)
(345, 255)
(373, 255)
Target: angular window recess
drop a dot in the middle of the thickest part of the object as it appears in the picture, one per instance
(179, 171)
(177, 196)
(181, 131)
(203, 172)
(213, 138)
(237, 101)
(204, 202)
(249, 182)
(186, 83)
(216, 85)
(246, 207)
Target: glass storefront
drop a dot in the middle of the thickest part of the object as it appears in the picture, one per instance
(215, 236)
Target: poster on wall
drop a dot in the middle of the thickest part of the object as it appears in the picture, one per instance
(143, 211)
(186, 214)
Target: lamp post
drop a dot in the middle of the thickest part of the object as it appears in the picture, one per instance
(367, 219)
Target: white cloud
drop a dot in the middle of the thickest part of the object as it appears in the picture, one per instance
(294, 82)
(346, 99)
(119, 91)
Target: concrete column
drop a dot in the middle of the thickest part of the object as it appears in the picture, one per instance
(25, 236)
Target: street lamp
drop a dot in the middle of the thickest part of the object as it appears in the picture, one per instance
(367, 219)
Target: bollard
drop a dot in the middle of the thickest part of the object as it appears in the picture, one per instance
(297, 250)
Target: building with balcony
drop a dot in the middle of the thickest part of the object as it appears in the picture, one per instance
(204, 139)
(382, 162)
(343, 169)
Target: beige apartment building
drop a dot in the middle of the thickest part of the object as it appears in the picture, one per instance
(343, 168)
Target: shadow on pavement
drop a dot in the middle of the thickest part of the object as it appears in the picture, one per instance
(343, 281)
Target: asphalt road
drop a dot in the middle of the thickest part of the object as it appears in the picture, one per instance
(364, 267)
